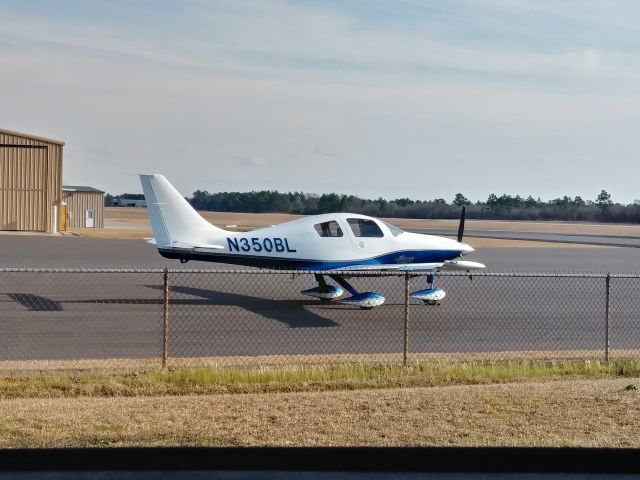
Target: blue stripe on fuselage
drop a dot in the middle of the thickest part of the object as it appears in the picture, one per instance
(394, 258)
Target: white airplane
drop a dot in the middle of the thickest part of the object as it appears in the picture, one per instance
(334, 241)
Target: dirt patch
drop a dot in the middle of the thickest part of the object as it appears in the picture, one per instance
(522, 226)
(137, 219)
(129, 234)
(133, 223)
(600, 413)
(478, 243)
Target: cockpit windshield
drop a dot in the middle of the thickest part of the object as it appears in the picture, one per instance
(395, 231)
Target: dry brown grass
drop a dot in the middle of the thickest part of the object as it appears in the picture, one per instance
(503, 243)
(137, 219)
(557, 413)
(523, 226)
(132, 223)
(125, 234)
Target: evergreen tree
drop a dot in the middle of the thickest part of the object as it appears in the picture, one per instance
(461, 200)
(603, 201)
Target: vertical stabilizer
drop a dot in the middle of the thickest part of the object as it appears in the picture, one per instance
(172, 218)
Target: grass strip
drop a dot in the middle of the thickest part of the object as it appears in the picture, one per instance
(127, 365)
(189, 381)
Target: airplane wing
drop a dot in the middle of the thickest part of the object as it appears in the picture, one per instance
(186, 245)
(407, 267)
(462, 265)
(396, 267)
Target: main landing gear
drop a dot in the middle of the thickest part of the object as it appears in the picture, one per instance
(323, 291)
(326, 292)
(368, 300)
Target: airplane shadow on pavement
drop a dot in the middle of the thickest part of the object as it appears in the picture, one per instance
(35, 303)
(293, 313)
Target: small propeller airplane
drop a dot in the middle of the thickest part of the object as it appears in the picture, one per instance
(334, 241)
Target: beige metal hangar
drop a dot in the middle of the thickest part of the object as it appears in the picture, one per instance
(30, 181)
(84, 207)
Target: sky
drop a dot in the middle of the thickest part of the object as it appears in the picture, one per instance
(403, 98)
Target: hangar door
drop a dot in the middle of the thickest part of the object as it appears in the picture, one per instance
(23, 187)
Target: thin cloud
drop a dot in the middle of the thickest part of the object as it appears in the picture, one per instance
(323, 153)
(428, 98)
(251, 160)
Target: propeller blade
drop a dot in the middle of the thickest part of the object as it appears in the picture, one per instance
(461, 227)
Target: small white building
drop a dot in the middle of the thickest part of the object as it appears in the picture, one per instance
(81, 207)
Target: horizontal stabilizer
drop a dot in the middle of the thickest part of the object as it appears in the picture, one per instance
(193, 246)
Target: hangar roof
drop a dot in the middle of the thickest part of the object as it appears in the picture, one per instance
(32, 137)
(80, 188)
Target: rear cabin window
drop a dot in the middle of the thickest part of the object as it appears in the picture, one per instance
(328, 229)
(361, 227)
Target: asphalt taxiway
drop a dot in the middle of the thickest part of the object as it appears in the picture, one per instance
(99, 315)
(80, 252)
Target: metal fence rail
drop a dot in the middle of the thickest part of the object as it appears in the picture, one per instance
(131, 319)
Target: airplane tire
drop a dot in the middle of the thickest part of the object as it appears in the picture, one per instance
(366, 308)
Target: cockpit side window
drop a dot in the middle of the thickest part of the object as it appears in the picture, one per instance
(328, 229)
(361, 227)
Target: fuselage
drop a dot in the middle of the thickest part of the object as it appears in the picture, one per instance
(327, 241)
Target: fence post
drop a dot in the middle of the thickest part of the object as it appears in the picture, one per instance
(405, 349)
(607, 318)
(165, 319)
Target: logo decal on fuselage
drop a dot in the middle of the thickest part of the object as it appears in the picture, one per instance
(274, 244)
(404, 259)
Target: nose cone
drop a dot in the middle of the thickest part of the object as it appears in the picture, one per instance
(465, 249)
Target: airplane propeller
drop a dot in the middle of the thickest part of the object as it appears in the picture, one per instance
(461, 227)
(461, 233)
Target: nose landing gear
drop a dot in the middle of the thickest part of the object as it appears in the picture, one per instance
(431, 295)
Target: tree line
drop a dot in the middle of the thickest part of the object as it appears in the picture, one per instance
(504, 207)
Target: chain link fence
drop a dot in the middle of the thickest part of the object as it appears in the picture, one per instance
(136, 319)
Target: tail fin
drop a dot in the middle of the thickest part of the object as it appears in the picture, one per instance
(173, 220)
